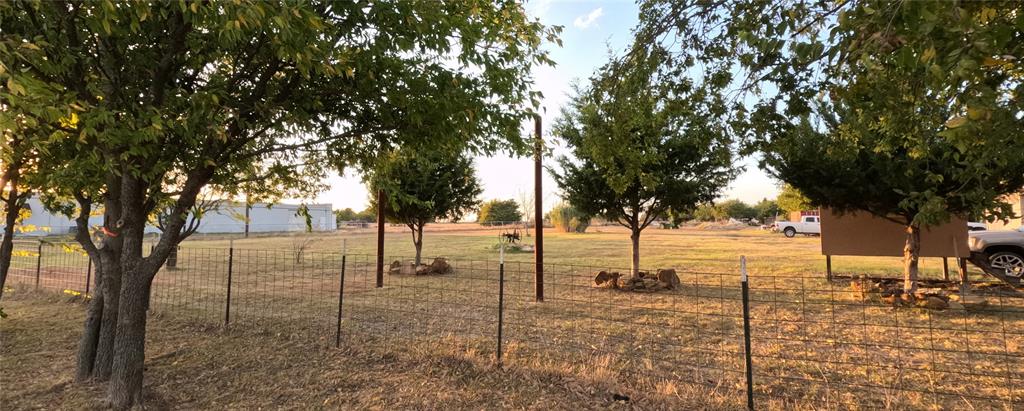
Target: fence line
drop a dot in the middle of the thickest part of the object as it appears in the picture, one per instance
(747, 339)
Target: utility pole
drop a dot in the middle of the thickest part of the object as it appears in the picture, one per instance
(538, 208)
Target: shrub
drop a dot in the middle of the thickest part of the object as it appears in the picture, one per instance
(496, 212)
(569, 219)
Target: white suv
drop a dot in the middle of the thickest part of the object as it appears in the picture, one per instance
(1003, 250)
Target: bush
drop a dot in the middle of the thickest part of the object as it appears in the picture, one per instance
(496, 212)
(568, 219)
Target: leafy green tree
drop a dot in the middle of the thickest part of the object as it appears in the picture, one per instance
(766, 209)
(707, 212)
(737, 209)
(643, 144)
(792, 200)
(496, 212)
(569, 219)
(422, 187)
(909, 111)
(251, 96)
(343, 216)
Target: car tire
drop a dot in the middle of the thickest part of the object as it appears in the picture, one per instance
(789, 232)
(1011, 262)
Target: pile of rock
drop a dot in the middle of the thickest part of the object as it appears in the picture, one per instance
(934, 297)
(642, 283)
(437, 267)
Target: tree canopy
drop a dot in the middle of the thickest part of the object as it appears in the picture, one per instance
(642, 143)
(792, 200)
(910, 111)
(254, 97)
(422, 187)
(499, 212)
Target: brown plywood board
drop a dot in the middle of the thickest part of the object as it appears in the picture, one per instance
(863, 234)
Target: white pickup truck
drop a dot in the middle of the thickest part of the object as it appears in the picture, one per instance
(808, 225)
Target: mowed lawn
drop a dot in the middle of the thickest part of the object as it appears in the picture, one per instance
(692, 249)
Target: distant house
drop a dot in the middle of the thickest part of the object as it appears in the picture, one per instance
(229, 217)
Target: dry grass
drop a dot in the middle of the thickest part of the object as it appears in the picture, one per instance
(195, 367)
(816, 344)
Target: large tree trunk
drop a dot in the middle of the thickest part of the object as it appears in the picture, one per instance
(125, 388)
(111, 289)
(88, 343)
(12, 209)
(635, 264)
(911, 255)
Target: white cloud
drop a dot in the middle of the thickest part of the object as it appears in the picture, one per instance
(584, 22)
(539, 8)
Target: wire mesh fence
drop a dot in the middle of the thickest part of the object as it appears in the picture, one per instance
(831, 344)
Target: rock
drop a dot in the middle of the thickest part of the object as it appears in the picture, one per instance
(395, 268)
(651, 285)
(440, 266)
(954, 297)
(953, 305)
(669, 277)
(604, 279)
(408, 268)
(933, 303)
(422, 269)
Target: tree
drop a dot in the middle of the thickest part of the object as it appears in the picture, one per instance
(792, 200)
(737, 209)
(643, 144)
(912, 108)
(17, 164)
(343, 216)
(422, 187)
(526, 201)
(499, 212)
(173, 97)
(766, 209)
(569, 219)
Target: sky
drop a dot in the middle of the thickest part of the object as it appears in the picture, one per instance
(590, 29)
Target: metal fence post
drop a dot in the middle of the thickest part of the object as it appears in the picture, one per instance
(501, 301)
(39, 261)
(341, 295)
(88, 276)
(745, 287)
(227, 303)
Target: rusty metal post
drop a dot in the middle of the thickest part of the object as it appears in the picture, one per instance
(945, 268)
(88, 276)
(828, 267)
(538, 208)
(380, 238)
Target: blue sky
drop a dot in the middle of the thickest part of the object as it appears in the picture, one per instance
(590, 29)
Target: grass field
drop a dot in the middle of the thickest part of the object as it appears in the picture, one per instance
(815, 343)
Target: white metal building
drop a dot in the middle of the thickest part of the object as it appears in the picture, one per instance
(228, 218)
